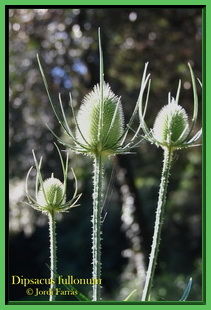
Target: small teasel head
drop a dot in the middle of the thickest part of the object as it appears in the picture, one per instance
(50, 194)
(171, 127)
(100, 132)
(171, 124)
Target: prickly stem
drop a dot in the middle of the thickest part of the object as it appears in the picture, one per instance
(53, 253)
(96, 225)
(168, 152)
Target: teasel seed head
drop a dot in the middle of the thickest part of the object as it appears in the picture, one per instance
(89, 125)
(51, 194)
(100, 129)
(171, 128)
(171, 124)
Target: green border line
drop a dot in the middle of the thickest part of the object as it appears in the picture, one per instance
(206, 165)
(204, 14)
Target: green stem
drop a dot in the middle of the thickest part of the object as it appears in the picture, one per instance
(96, 226)
(158, 223)
(53, 257)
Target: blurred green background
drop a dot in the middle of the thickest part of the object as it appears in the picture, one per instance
(66, 41)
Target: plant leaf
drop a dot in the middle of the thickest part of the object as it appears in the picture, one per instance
(70, 287)
(186, 291)
(79, 295)
(100, 125)
(128, 297)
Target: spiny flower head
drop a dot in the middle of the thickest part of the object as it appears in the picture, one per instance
(100, 136)
(171, 127)
(99, 123)
(171, 124)
(50, 194)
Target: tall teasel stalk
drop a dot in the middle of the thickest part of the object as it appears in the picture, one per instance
(99, 133)
(50, 198)
(171, 131)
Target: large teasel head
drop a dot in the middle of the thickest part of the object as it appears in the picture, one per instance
(50, 194)
(99, 122)
(171, 127)
(100, 131)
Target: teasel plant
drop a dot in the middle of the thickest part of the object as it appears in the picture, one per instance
(99, 132)
(50, 199)
(171, 131)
